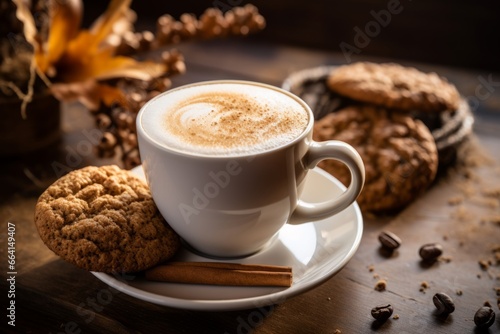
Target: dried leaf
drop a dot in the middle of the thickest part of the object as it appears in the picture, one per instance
(111, 95)
(90, 93)
(65, 22)
(85, 92)
(103, 26)
(132, 69)
(24, 15)
(104, 65)
(125, 23)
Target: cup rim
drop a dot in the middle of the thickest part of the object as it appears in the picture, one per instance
(141, 132)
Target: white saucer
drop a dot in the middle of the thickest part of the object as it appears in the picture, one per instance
(315, 250)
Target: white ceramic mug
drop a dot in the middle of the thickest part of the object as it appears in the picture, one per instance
(232, 205)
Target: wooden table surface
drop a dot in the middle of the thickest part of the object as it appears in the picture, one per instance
(460, 211)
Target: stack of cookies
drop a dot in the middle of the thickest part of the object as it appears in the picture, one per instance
(399, 119)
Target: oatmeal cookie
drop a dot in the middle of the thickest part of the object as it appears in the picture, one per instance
(399, 153)
(394, 86)
(104, 219)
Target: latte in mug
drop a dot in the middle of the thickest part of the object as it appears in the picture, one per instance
(226, 119)
(226, 162)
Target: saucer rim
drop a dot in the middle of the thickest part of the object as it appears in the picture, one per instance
(246, 302)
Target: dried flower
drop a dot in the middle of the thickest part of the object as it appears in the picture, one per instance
(96, 66)
(74, 63)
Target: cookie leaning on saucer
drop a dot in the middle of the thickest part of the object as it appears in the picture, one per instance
(391, 85)
(399, 154)
(104, 219)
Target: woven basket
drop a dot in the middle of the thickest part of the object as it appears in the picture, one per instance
(449, 129)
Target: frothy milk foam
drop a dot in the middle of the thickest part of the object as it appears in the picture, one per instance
(224, 119)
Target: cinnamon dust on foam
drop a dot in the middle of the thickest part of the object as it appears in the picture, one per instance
(234, 121)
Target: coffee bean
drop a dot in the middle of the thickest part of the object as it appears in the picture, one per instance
(381, 285)
(484, 317)
(382, 312)
(444, 303)
(430, 252)
(389, 240)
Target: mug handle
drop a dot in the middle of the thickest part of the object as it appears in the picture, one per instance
(344, 153)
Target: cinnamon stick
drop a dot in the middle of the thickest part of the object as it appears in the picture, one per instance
(220, 273)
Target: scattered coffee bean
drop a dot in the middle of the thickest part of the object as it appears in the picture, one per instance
(445, 259)
(381, 285)
(444, 303)
(430, 252)
(483, 264)
(487, 303)
(389, 240)
(484, 317)
(382, 312)
(423, 286)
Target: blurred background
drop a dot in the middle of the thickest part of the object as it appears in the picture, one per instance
(462, 33)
